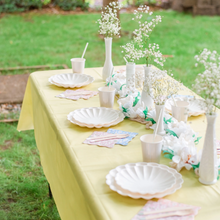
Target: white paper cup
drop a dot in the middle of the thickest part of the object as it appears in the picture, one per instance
(179, 112)
(106, 96)
(151, 147)
(78, 65)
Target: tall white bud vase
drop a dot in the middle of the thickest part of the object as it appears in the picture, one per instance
(106, 71)
(130, 74)
(160, 108)
(208, 168)
(145, 97)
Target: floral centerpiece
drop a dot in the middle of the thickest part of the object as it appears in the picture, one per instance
(207, 85)
(160, 87)
(141, 48)
(109, 26)
(150, 52)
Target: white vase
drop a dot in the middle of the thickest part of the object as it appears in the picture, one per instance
(160, 108)
(107, 69)
(208, 168)
(130, 75)
(145, 97)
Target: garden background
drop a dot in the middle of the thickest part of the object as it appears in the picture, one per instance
(35, 32)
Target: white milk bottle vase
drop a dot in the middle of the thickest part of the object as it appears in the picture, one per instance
(130, 75)
(108, 65)
(208, 168)
(160, 108)
(145, 97)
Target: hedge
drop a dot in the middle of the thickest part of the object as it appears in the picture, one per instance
(25, 5)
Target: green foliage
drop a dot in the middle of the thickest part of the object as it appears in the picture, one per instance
(25, 5)
(151, 119)
(145, 2)
(19, 5)
(169, 156)
(68, 5)
(122, 86)
(194, 166)
(197, 140)
(137, 98)
(168, 131)
(145, 112)
(168, 120)
(124, 109)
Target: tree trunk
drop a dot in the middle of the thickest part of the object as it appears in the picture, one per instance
(106, 2)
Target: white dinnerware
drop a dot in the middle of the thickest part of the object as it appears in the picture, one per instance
(110, 181)
(96, 117)
(106, 96)
(151, 147)
(145, 179)
(78, 65)
(71, 80)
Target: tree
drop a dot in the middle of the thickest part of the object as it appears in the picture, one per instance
(106, 2)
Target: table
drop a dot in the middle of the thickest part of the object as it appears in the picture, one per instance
(76, 172)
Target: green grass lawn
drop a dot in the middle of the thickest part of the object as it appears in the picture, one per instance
(30, 40)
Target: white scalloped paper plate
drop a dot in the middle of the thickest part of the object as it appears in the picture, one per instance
(110, 180)
(71, 80)
(117, 121)
(145, 179)
(95, 116)
(194, 108)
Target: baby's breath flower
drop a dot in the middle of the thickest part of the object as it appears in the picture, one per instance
(160, 86)
(207, 84)
(142, 34)
(131, 53)
(109, 24)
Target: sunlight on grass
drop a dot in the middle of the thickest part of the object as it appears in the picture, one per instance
(54, 39)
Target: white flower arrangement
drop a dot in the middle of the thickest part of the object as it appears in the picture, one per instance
(207, 84)
(141, 36)
(119, 82)
(129, 108)
(139, 77)
(109, 24)
(153, 54)
(180, 145)
(187, 158)
(131, 52)
(160, 86)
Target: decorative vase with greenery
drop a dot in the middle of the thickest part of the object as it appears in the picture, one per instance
(207, 86)
(109, 26)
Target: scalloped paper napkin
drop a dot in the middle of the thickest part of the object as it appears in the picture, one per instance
(123, 141)
(107, 143)
(71, 94)
(110, 143)
(162, 204)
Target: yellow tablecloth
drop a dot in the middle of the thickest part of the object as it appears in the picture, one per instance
(76, 172)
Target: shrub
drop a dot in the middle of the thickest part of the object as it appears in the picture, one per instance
(25, 5)
(19, 5)
(68, 5)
